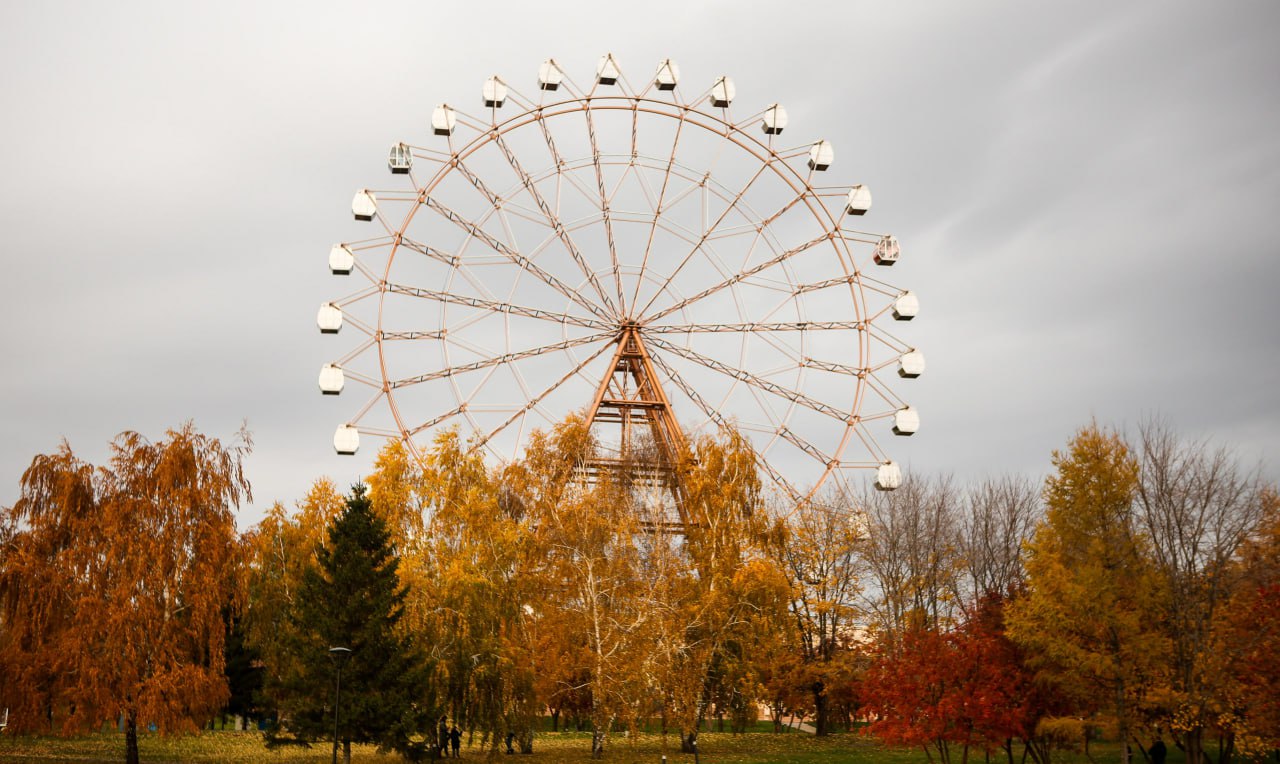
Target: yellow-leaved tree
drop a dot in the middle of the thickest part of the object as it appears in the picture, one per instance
(584, 562)
(724, 594)
(461, 552)
(1086, 618)
(280, 548)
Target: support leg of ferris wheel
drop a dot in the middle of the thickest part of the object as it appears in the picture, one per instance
(629, 394)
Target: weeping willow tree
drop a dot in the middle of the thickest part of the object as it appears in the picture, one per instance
(114, 581)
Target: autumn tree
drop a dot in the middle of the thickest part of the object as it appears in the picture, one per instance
(999, 516)
(353, 598)
(1196, 508)
(593, 592)
(1087, 617)
(912, 555)
(114, 582)
(466, 565)
(822, 555)
(1250, 725)
(280, 549)
(960, 688)
(722, 593)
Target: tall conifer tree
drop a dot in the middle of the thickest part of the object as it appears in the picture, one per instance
(353, 599)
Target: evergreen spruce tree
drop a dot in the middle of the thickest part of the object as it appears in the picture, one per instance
(353, 599)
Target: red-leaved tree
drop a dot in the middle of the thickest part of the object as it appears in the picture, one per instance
(949, 692)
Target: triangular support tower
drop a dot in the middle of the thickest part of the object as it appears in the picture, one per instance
(630, 399)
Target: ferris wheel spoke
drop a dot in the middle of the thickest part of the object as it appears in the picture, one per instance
(454, 262)
(739, 277)
(714, 415)
(805, 446)
(553, 221)
(498, 306)
(427, 425)
(512, 255)
(827, 284)
(785, 326)
(556, 159)
(412, 335)
(708, 231)
(498, 360)
(604, 209)
(836, 368)
(754, 380)
(533, 402)
(440, 256)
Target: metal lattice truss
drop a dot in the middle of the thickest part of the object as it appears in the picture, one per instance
(522, 247)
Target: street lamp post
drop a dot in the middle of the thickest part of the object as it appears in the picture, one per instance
(339, 656)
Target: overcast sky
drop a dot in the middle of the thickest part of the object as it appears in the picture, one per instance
(1086, 195)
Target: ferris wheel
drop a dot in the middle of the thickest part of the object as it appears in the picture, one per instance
(622, 248)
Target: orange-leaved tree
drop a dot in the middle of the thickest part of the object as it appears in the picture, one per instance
(1198, 508)
(114, 582)
(1251, 726)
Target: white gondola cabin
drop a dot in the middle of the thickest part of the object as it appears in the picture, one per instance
(400, 160)
(775, 120)
(887, 251)
(443, 119)
(668, 75)
(911, 364)
(329, 319)
(888, 476)
(607, 71)
(859, 200)
(332, 379)
(364, 206)
(723, 93)
(906, 306)
(906, 421)
(341, 260)
(821, 155)
(346, 440)
(494, 92)
(550, 75)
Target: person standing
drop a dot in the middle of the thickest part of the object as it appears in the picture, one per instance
(1158, 752)
(455, 738)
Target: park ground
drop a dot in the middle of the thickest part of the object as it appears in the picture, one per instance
(570, 747)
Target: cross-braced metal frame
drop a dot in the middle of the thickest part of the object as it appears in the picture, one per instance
(633, 252)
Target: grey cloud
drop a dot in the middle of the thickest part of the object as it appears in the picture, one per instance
(1084, 193)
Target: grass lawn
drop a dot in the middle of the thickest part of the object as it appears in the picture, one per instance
(714, 748)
